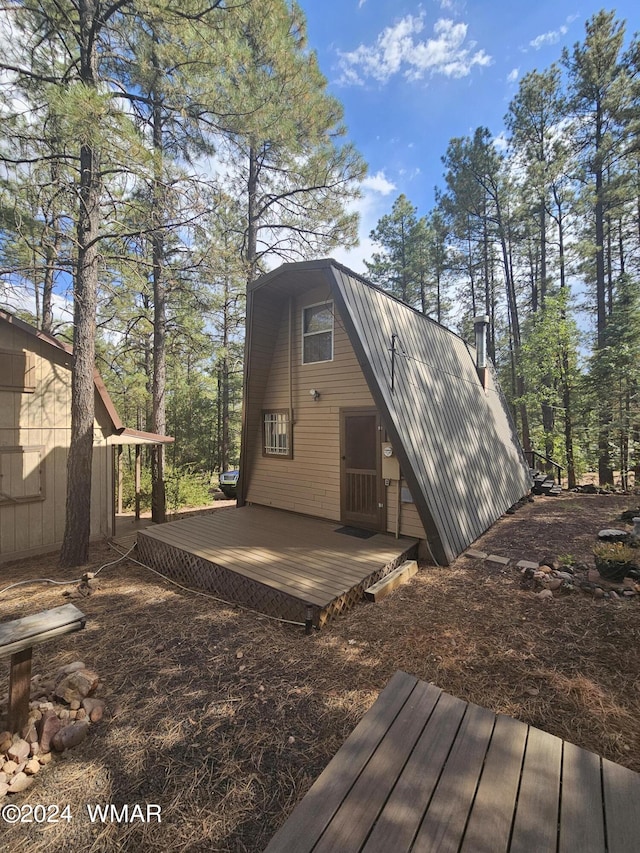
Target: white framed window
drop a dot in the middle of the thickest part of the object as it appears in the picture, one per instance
(276, 432)
(317, 333)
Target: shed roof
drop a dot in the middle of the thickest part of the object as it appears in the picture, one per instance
(455, 440)
(121, 433)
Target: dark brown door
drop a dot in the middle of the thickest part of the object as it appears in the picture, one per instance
(360, 476)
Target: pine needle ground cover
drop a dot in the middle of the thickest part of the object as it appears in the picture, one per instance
(224, 718)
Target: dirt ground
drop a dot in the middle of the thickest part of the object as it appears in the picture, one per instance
(224, 718)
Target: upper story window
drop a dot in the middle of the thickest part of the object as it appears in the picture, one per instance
(17, 371)
(317, 333)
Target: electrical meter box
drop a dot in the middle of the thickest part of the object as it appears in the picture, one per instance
(390, 464)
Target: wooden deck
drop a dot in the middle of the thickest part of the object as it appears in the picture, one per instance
(276, 562)
(424, 771)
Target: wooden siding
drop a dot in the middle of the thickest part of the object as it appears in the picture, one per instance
(410, 524)
(42, 418)
(309, 482)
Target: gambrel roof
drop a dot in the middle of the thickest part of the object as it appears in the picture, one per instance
(120, 434)
(455, 440)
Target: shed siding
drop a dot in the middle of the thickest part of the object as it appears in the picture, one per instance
(309, 482)
(42, 419)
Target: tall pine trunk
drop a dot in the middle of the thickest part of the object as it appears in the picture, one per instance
(158, 406)
(75, 545)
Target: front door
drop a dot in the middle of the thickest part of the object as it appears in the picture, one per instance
(361, 499)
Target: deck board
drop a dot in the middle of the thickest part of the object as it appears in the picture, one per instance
(272, 556)
(424, 771)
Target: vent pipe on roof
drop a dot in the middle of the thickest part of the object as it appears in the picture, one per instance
(480, 324)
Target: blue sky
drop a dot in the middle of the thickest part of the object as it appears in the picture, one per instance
(412, 76)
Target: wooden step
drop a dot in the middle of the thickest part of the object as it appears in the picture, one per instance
(389, 582)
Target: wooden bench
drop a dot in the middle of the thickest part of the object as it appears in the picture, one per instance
(424, 771)
(17, 639)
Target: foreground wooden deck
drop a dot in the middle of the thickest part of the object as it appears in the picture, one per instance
(274, 561)
(424, 771)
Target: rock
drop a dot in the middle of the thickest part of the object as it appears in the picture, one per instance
(4, 789)
(545, 569)
(77, 685)
(19, 751)
(611, 534)
(68, 669)
(6, 739)
(29, 733)
(19, 782)
(565, 576)
(9, 767)
(45, 758)
(70, 736)
(94, 708)
(629, 514)
(81, 714)
(553, 583)
(613, 595)
(545, 594)
(50, 726)
(32, 767)
(75, 704)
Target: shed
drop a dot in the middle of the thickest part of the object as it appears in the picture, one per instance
(359, 409)
(35, 428)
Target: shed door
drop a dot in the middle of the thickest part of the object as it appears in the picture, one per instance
(360, 476)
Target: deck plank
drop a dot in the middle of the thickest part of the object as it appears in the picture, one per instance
(581, 812)
(314, 813)
(536, 820)
(363, 804)
(489, 826)
(444, 824)
(398, 824)
(621, 798)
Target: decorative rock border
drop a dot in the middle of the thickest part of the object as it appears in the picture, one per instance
(550, 577)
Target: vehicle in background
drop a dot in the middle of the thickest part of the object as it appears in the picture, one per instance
(228, 482)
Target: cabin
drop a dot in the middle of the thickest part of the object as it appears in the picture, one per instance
(360, 410)
(35, 427)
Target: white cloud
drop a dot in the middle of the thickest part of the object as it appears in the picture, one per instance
(378, 183)
(552, 37)
(398, 49)
(513, 76)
